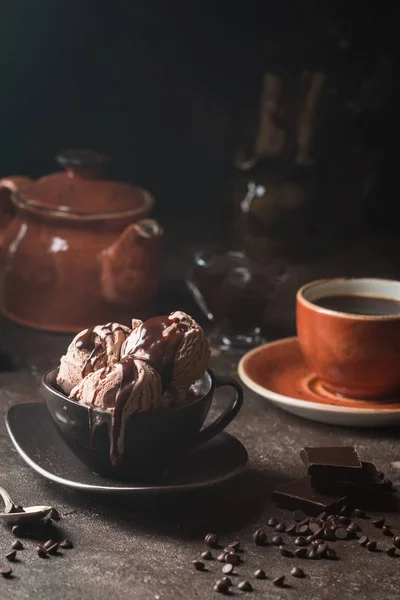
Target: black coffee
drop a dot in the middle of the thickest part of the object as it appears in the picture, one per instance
(360, 305)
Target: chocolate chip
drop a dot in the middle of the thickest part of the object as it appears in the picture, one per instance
(301, 553)
(330, 517)
(17, 545)
(230, 550)
(245, 586)
(260, 537)
(48, 544)
(5, 571)
(341, 533)
(322, 516)
(378, 522)
(221, 587)
(396, 541)
(67, 544)
(286, 553)
(312, 554)
(11, 556)
(260, 574)
(291, 530)
(361, 514)
(344, 520)
(221, 557)
(227, 581)
(235, 545)
(304, 529)
(279, 581)
(330, 534)
(387, 531)
(54, 514)
(363, 541)
(331, 554)
(304, 522)
(276, 540)
(42, 552)
(281, 527)
(198, 565)
(391, 551)
(314, 527)
(232, 558)
(228, 568)
(16, 530)
(322, 550)
(211, 540)
(371, 546)
(353, 527)
(207, 555)
(299, 515)
(53, 550)
(272, 521)
(300, 541)
(310, 538)
(319, 532)
(297, 572)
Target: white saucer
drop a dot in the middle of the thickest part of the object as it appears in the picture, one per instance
(277, 371)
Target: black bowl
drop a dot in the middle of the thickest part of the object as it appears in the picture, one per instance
(151, 440)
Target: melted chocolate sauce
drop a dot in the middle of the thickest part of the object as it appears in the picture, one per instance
(127, 384)
(158, 351)
(91, 437)
(85, 341)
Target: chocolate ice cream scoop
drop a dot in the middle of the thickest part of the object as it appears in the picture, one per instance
(90, 350)
(175, 346)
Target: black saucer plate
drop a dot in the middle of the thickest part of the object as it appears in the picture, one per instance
(34, 436)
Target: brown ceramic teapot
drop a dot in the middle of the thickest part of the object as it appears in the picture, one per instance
(77, 249)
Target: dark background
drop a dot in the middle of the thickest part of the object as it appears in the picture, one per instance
(169, 88)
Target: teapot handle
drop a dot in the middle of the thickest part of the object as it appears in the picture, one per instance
(8, 186)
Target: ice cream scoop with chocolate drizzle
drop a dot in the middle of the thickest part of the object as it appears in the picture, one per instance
(175, 346)
(90, 350)
(144, 369)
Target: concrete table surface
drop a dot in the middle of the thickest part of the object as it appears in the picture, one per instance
(142, 548)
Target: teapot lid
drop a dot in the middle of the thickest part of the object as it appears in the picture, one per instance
(82, 189)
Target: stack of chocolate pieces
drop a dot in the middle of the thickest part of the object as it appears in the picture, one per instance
(336, 477)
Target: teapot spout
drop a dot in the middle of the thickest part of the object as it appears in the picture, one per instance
(130, 267)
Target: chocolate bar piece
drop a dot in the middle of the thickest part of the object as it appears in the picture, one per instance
(365, 480)
(301, 495)
(336, 462)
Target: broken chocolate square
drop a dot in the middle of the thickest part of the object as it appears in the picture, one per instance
(336, 462)
(300, 494)
(365, 480)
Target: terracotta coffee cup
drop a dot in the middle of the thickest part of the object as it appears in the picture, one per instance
(354, 354)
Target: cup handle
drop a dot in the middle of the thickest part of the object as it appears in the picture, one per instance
(227, 416)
